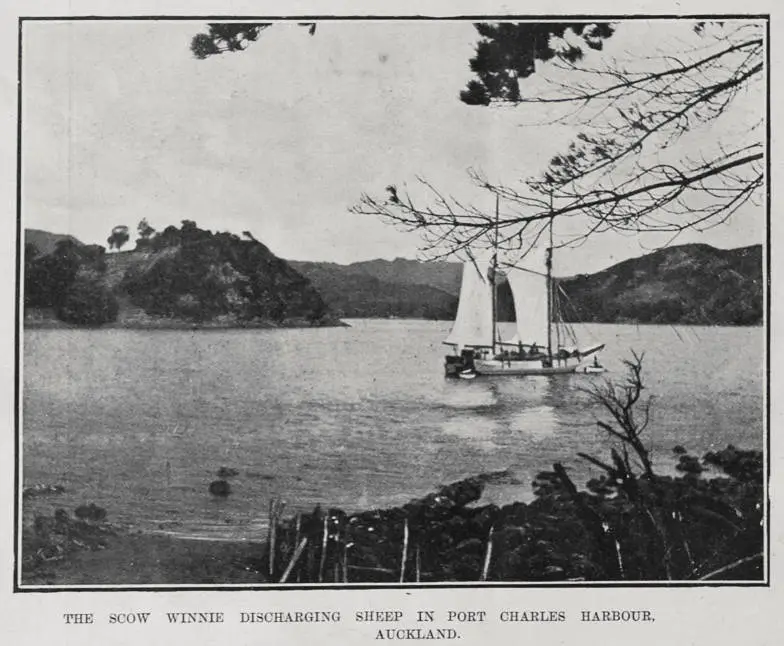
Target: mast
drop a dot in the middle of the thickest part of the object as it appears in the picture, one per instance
(494, 272)
(549, 266)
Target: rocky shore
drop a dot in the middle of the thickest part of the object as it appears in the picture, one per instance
(678, 528)
(688, 527)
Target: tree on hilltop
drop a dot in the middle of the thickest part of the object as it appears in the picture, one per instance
(118, 237)
(145, 232)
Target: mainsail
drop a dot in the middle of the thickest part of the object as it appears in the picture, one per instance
(474, 321)
(529, 290)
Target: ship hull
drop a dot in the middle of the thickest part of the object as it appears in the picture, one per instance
(522, 367)
(493, 368)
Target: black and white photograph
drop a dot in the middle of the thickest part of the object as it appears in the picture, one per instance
(392, 302)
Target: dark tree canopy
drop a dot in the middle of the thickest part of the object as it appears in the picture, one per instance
(88, 302)
(68, 280)
(118, 237)
(144, 229)
(231, 37)
(507, 52)
(48, 277)
(206, 275)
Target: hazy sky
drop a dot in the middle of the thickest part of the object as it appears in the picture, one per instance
(121, 122)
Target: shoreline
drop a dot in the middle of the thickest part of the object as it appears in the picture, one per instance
(564, 535)
(55, 324)
(143, 559)
(163, 324)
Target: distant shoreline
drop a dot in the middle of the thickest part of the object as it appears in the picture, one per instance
(46, 322)
(164, 324)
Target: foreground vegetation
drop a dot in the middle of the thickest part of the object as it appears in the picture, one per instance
(659, 528)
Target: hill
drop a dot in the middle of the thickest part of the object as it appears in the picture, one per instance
(45, 242)
(692, 284)
(444, 276)
(353, 294)
(180, 277)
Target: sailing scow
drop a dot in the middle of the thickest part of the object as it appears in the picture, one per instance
(543, 343)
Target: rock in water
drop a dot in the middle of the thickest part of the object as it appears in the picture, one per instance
(90, 512)
(220, 488)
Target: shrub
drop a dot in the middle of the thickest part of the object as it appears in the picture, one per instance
(87, 302)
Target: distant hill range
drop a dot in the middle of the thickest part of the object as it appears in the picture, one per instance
(193, 276)
(383, 288)
(691, 284)
(46, 242)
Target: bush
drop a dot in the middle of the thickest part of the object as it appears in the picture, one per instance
(87, 302)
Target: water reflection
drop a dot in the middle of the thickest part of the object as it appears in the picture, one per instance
(477, 430)
(534, 387)
(538, 422)
(470, 394)
(494, 413)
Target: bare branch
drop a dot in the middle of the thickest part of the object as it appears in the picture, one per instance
(635, 165)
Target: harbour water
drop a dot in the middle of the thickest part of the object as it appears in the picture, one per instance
(139, 422)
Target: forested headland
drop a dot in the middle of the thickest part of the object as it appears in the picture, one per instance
(183, 276)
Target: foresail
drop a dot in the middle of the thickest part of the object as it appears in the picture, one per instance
(474, 321)
(529, 290)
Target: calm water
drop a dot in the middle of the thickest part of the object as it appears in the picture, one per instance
(140, 421)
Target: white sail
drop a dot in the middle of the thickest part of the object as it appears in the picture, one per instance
(474, 321)
(529, 290)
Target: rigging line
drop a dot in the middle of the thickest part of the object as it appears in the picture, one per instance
(568, 300)
(570, 333)
(567, 326)
(509, 265)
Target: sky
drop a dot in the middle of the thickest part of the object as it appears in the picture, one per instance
(121, 122)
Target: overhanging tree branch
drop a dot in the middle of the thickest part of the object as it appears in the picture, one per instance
(653, 151)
